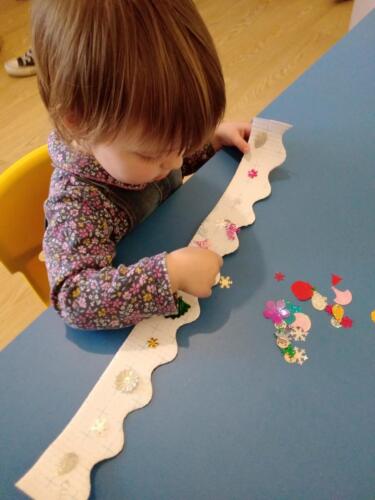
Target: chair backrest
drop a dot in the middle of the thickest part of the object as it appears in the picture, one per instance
(23, 190)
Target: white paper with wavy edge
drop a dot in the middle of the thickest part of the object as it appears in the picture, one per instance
(96, 433)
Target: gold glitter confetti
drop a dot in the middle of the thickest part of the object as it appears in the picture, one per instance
(282, 342)
(335, 323)
(289, 359)
(152, 342)
(99, 426)
(338, 312)
(318, 301)
(225, 282)
(127, 380)
(68, 462)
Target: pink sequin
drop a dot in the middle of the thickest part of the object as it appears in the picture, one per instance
(232, 230)
(202, 243)
(252, 173)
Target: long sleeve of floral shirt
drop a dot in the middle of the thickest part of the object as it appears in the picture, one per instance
(80, 241)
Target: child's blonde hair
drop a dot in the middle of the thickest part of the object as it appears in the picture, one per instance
(128, 63)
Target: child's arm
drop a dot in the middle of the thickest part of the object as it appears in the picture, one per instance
(195, 161)
(87, 291)
(79, 245)
(226, 134)
(232, 134)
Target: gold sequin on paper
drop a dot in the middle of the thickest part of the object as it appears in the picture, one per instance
(68, 462)
(152, 343)
(289, 359)
(99, 426)
(225, 282)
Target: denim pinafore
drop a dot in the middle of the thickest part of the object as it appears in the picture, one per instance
(139, 204)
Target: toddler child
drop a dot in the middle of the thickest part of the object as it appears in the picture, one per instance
(136, 94)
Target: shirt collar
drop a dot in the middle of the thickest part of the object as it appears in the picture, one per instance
(81, 164)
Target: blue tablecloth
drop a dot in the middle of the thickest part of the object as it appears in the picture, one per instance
(230, 419)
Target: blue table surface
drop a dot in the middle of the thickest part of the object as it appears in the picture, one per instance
(229, 418)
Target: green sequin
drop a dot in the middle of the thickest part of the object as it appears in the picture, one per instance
(290, 319)
(182, 308)
(290, 351)
(291, 307)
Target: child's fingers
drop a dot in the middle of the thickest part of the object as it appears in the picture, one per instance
(241, 144)
(247, 131)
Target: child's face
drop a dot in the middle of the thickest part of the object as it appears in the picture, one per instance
(132, 161)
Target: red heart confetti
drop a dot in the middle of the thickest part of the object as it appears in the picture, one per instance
(335, 279)
(328, 309)
(346, 322)
(302, 290)
(279, 276)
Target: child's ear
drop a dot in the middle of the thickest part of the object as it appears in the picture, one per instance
(71, 120)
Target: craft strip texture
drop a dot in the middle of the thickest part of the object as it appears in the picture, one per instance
(95, 432)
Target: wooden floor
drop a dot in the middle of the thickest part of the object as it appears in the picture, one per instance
(264, 46)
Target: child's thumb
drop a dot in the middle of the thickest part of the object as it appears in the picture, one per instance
(242, 145)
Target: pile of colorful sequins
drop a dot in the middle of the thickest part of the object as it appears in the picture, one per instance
(290, 325)
(305, 291)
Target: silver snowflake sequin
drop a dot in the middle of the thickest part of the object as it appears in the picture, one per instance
(127, 380)
(99, 426)
(335, 323)
(299, 334)
(300, 356)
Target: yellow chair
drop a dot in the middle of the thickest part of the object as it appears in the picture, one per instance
(23, 190)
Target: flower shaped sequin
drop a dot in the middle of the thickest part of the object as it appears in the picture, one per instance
(232, 230)
(127, 380)
(252, 173)
(276, 311)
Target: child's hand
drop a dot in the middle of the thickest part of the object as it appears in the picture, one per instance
(193, 270)
(232, 134)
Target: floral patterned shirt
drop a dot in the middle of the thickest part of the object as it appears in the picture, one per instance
(84, 227)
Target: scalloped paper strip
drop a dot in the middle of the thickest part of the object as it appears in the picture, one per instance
(96, 433)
